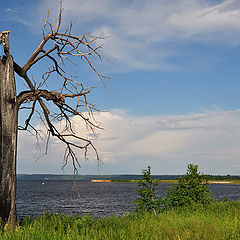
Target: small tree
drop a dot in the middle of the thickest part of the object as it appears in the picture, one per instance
(191, 188)
(146, 190)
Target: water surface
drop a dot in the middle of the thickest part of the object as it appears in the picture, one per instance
(96, 199)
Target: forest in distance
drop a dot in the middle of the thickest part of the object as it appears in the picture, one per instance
(125, 177)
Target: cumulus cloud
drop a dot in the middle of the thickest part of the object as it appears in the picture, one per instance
(141, 32)
(210, 139)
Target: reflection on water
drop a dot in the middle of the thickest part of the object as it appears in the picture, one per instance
(96, 199)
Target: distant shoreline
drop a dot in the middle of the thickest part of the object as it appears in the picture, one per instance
(123, 178)
(220, 182)
(236, 182)
(100, 180)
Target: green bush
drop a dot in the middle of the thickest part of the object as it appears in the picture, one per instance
(146, 189)
(191, 188)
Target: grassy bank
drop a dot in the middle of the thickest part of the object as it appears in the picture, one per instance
(216, 221)
(231, 181)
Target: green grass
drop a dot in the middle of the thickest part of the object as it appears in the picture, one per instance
(216, 221)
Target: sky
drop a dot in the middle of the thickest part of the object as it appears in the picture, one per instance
(173, 98)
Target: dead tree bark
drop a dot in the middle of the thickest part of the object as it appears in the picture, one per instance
(8, 134)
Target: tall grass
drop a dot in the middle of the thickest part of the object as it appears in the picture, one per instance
(216, 221)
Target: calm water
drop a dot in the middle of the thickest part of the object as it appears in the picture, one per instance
(96, 199)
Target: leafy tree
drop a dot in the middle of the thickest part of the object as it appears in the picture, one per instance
(191, 188)
(228, 177)
(146, 189)
(63, 51)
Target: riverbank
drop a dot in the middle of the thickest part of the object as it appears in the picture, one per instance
(232, 181)
(216, 221)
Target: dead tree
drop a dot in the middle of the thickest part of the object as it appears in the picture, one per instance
(68, 99)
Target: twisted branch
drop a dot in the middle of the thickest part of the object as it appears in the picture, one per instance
(57, 46)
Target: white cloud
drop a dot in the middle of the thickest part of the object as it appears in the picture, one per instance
(143, 31)
(210, 139)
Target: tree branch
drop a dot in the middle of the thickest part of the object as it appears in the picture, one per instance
(61, 49)
(49, 96)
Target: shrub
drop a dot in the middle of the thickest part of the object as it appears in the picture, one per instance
(191, 188)
(146, 189)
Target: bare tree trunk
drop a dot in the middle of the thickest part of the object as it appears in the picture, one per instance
(8, 135)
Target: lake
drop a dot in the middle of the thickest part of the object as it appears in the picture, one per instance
(96, 199)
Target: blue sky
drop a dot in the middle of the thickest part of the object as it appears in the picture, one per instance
(174, 93)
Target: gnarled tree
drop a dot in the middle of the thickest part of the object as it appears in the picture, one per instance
(68, 100)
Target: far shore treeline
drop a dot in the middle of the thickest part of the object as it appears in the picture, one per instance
(114, 178)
